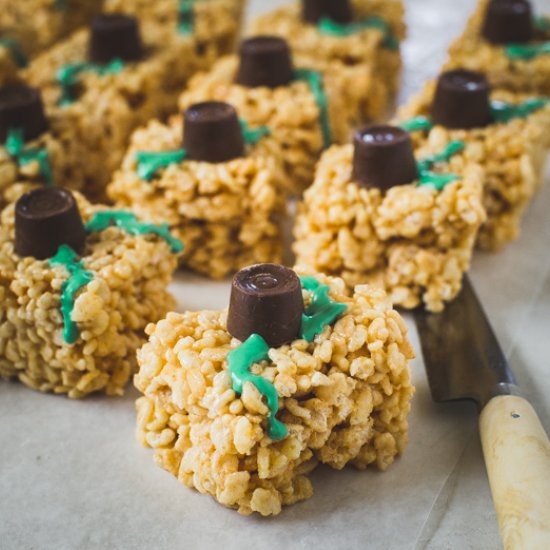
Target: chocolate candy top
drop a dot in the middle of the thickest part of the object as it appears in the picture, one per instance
(115, 36)
(264, 61)
(383, 157)
(44, 220)
(266, 299)
(462, 100)
(339, 11)
(508, 21)
(212, 132)
(21, 107)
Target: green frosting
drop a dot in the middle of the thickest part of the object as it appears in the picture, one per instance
(149, 163)
(239, 361)
(439, 181)
(417, 124)
(332, 28)
(67, 76)
(186, 17)
(128, 222)
(78, 278)
(16, 52)
(15, 146)
(505, 112)
(315, 81)
(526, 52)
(321, 311)
(542, 23)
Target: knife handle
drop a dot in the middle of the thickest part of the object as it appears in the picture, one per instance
(517, 455)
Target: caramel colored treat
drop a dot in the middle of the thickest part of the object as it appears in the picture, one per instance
(215, 24)
(228, 213)
(36, 25)
(55, 340)
(342, 399)
(101, 104)
(511, 152)
(363, 54)
(301, 121)
(515, 65)
(266, 299)
(413, 240)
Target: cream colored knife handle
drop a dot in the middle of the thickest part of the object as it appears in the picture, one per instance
(517, 455)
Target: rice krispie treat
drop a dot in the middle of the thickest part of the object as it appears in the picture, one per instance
(214, 24)
(354, 41)
(78, 285)
(218, 188)
(34, 25)
(505, 132)
(35, 150)
(505, 41)
(304, 110)
(108, 80)
(376, 214)
(12, 59)
(243, 404)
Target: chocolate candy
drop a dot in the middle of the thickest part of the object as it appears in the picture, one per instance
(462, 100)
(339, 11)
(264, 61)
(508, 21)
(44, 220)
(266, 299)
(21, 107)
(383, 157)
(115, 36)
(212, 132)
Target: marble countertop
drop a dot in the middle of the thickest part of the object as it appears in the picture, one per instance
(72, 475)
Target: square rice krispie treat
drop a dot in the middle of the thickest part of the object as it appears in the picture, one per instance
(243, 404)
(376, 214)
(34, 25)
(218, 188)
(507, 42)
(214, 24)
(305, 110)
(35, 150)
(110, 79)
(505, 132)
(354, 41)
(78, 285)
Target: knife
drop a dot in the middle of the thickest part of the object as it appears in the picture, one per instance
(464, 361)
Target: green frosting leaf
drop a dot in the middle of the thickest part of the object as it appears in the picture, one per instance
(332, 28)
(526, 52)
(505, 112)
(16, 52)
(425, 166)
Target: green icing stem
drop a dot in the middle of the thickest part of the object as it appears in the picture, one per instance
(332, 28)
(149, 163)
(16, 52)
(505, 112)
(78, 278)
(68, 75)
(439, 181)
(127, 221)
(321, 311)
(417, 124)
(15, 146)
(526, 52)
(186, 17)
(239, 361)
(315, 81)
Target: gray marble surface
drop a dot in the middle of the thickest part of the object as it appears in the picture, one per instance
(73, 477)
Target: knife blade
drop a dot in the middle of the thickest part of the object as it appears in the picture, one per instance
(464, 360)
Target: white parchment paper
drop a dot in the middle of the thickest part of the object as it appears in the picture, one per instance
(73, 477)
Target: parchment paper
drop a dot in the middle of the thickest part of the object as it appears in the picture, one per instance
(72, 475)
